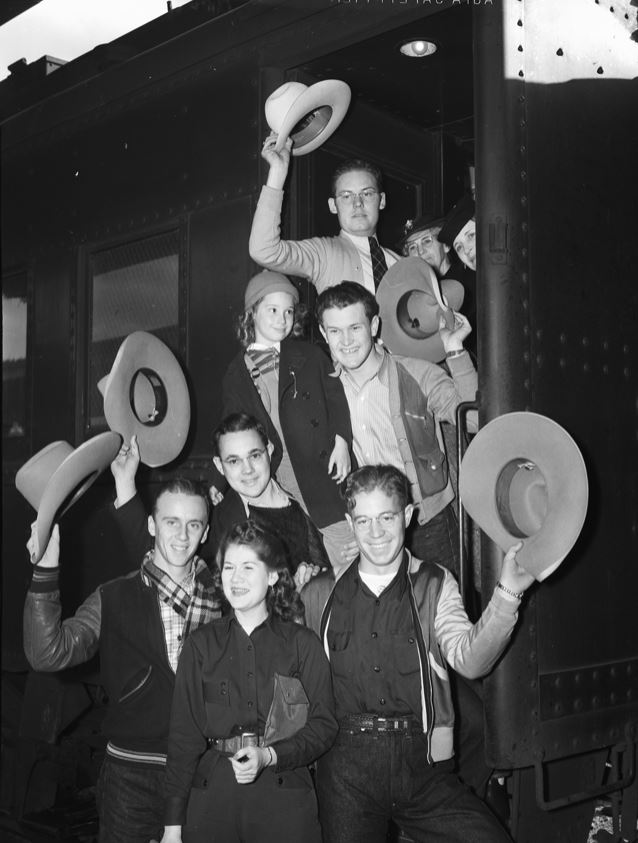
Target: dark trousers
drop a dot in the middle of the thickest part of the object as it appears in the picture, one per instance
(367, 779)
(275, 808)
(436, 541)
(130, 803)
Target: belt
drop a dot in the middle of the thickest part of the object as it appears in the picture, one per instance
(354, 723)
(229, 746)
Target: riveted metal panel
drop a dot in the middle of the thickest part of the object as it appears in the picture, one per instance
(557, 132)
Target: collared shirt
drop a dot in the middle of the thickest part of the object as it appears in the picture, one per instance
(225, 684)
(374, 440)
(373, 649)
(173, 622)
(363, 248)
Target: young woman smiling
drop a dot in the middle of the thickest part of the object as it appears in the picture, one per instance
(233, 773)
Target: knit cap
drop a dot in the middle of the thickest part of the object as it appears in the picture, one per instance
(268, 282)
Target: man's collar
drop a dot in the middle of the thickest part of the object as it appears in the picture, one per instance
(382, 369)
(360, 240)
(400, 581)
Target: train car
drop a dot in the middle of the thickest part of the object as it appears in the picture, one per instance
(129, 180)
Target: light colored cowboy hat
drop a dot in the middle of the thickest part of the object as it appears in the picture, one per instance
(410, 304)
(523, 478)
(58, 475)
(146, 394)
(308, 115)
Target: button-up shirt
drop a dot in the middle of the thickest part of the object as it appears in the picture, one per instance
(374, 439)
(224, 685)
(373, 649)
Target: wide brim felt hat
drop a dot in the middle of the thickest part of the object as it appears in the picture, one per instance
(307, 114)
(411, 301)
(146, 395)
(523, 478)
(58, 475)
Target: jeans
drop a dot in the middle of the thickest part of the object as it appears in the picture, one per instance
(436, 541)
(367, 779)
(130, 803)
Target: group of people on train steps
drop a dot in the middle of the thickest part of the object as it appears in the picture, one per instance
(291, 683)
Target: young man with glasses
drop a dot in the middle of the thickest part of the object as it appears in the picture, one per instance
(241, 452)
(390, 626)
(356, 199)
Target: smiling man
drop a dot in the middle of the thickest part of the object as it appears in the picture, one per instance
(242, 454)
(397, 405)
(390, 625)
(138, 624)
(357, 197)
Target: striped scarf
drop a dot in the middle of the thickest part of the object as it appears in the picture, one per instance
(264, 360)
(202, 606)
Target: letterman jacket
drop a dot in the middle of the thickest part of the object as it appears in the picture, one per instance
(445, 635)
(122, 619)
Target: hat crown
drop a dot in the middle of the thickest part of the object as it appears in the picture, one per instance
(33, 476)
(281, 101)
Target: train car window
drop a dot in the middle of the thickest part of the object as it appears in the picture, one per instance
(15, 386)
(134, 287)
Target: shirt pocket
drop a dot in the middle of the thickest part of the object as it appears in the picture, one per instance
(217, 692)
(340, 653)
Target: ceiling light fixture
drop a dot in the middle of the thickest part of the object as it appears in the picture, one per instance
(417, 48)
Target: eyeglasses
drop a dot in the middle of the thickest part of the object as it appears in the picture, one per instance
(385, 520)
(417, 246)
(253, 458)
(366, 195)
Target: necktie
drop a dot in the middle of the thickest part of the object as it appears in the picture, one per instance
(264, 359)
(379, 266)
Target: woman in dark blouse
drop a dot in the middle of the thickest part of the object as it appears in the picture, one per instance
(219, 788)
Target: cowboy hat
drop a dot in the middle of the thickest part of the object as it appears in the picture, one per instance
(410, 305)
(523, 478)
(58, 475)
(146, 394)
(309, 115)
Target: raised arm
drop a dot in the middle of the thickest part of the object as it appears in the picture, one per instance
(49, 643)
(473, 649)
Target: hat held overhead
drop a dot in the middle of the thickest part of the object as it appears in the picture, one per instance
(308, 115)
(411, 303)
(146, 394)
(58, 475)
(523, 478)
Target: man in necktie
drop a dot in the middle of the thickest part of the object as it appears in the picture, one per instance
(356, 198)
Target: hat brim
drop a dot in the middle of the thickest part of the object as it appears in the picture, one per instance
(534, 439)
(75, 474)
(143, 360)
(410, 288)
(331, 93)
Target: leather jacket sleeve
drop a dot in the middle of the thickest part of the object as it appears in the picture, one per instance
(51, 644)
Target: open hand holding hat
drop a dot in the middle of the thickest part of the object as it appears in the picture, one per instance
(307, 115)
(51, 556)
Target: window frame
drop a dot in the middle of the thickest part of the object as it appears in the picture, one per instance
(84, 306)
